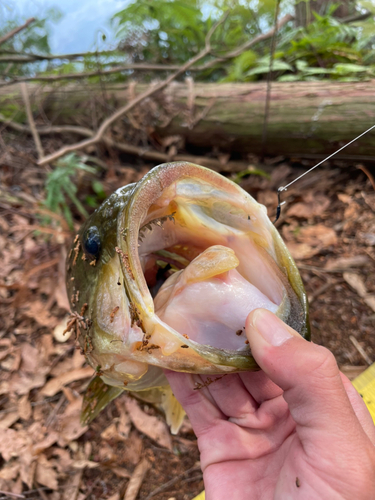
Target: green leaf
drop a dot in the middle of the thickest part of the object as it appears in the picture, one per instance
(277, 66)
(346, 69)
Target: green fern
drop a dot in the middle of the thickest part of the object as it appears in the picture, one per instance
(61, 189)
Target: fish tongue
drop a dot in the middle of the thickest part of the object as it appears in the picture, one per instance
(209, 300)
(212, 262)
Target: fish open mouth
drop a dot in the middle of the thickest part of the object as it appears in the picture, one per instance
(207, 257)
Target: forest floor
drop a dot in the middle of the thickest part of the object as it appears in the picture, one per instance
(328, 224)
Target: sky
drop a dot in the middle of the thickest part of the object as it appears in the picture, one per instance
(81, 26)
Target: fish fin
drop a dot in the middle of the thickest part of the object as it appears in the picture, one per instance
(174, 413)
(97, 396)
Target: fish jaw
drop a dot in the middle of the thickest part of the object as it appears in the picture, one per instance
(164, 194)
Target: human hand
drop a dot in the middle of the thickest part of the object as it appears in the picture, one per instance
(296, 429)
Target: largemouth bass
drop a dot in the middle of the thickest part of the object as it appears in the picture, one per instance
(164, 274)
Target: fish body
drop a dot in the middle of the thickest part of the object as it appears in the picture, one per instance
(164, 274)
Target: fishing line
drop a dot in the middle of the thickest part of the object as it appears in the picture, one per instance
(284, 188)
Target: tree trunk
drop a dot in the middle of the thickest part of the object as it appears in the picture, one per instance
(304, 10)
(306, 118)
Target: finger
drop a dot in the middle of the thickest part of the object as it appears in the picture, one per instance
(260, 386)
(201, 410)
(233, 399)
(307, 373)
(359, 408)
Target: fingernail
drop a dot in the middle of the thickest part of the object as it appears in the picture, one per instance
(271, 328)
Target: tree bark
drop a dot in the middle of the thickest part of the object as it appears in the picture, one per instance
(304, 10)
(306, 118)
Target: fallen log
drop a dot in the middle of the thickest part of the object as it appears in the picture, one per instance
(306, 118)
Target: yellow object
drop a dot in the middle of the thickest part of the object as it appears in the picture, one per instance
(201, 496)
(365, 385)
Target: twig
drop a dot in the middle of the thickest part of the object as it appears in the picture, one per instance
(30, 118)
(360, 349)
(137, 479)
(13, 32)
(141, 66)
(368, 173)
(125, 109)
(247, 45)
(36, 403)
(52, 416)
(269, 78)
(8, 493)
(25, 57)
(42, 495)
(357, 16)
(152, 155)
(326, 286)
(173, 481)
(316, 269)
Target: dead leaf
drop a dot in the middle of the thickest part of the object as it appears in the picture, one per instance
(30, 358)
(21, 384)
(45, 443)
(9, 419)
(149, 425)
(54, 386)
(352, 210)
(45, 474)
(27, 469)
(116, 496)
(318, 235)
(69, 424)
(110, 433)
(69, 363)
(60, 290)
(120, 472)
(64, 462)
(347, 262)
(313, 205)
(300, 251)
(137, 479)
(24, 407)
(357, 283)
(37, 310)
(124, 424)
(345, 198)
(85, 464)
(9, 472)
(12, 443)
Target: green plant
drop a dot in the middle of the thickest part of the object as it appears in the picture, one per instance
(34, 39)
(60, 186)
(173, 31)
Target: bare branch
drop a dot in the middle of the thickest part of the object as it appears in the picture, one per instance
(125, 109)
(143, 66)
(247, 45)
(13, 32)
(78, 76)
(25, 57)
(30, 118)
(146, 154)
(86, 132)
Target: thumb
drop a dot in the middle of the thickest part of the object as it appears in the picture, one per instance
(307, 373)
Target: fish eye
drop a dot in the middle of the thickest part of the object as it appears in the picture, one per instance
(91, 242)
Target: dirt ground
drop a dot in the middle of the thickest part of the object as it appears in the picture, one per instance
(328, 224)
